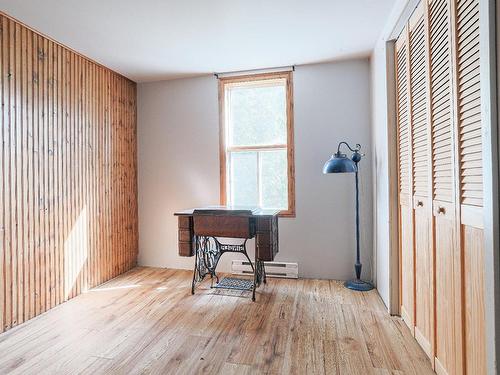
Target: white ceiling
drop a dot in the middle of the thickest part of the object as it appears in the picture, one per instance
(149, 40)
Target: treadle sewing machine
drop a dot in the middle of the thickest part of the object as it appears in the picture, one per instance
(201, 228)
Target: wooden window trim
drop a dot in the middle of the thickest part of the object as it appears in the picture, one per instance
(290, 141)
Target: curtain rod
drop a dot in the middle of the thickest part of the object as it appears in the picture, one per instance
(290, 68)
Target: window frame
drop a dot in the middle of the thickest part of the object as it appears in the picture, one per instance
(223, 82)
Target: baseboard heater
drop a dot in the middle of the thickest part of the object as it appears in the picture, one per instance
(273, 269)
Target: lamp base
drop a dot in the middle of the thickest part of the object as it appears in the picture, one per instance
(358, 284)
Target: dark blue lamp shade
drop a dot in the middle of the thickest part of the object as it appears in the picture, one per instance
(340, 163)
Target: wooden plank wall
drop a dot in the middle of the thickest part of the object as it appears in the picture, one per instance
(68, 193)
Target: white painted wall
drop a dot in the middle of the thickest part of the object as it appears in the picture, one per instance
(381, 177)
(179, 167)
(380, 148)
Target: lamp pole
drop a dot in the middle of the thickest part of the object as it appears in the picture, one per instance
(357, 266)
(357, 284)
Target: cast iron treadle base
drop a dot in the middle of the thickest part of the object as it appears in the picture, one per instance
(235, 283)
(208, 251)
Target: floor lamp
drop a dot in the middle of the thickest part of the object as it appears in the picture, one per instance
(340, 163)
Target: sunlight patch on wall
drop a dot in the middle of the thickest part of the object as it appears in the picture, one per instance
(75, 252)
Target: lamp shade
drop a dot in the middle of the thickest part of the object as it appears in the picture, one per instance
(339, 163)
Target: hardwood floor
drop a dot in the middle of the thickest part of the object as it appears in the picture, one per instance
(146, 321)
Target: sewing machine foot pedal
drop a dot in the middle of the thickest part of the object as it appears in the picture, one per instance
(235, 283)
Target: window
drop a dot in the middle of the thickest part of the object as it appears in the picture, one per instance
(256, 141)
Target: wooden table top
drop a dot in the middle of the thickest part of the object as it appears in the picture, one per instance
(235, 210)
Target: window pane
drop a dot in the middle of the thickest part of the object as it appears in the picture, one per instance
(243, 180)
(274, 182)
(257, 115)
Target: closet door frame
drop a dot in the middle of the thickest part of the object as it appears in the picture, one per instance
(393, 175)
(489, 18)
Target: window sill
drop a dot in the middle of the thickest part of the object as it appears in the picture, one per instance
(288, 214)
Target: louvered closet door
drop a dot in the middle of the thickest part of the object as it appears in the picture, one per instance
(405, 181)
(448, 323)
(441, 183)
(468, 109)
(421, 155)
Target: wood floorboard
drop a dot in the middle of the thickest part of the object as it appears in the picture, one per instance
(146, 322)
